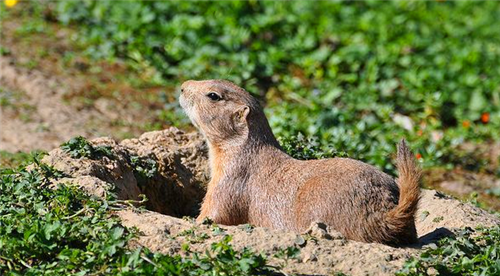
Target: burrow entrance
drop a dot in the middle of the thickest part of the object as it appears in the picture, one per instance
(169, 167)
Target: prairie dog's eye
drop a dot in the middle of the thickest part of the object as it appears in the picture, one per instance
(214, 96)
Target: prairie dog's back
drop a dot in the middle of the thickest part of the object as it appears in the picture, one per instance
(304, 190)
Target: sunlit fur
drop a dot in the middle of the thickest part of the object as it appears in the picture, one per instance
(254, 181)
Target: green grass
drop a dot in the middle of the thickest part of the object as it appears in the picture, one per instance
(471, 252)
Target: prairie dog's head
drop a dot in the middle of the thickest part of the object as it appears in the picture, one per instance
(219, 109)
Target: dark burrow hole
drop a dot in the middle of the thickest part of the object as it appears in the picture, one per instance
(171, 188)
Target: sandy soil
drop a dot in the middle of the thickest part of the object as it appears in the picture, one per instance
(49, 121)
(179, 184)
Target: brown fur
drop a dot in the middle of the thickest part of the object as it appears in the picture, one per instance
(254, 181)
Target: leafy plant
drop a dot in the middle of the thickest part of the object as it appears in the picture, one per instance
(79, 147)
(192, 236)
(144, 168)
(304, 148)
(286, 254)
(469, 253)
(227, 261)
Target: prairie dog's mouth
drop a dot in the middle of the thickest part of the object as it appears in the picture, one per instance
(187, 106)
(184, 102)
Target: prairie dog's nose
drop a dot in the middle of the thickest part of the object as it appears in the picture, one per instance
(186, 85)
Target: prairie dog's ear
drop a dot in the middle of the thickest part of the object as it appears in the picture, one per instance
(240, 115)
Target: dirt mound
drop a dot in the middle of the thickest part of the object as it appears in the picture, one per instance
(170, 168)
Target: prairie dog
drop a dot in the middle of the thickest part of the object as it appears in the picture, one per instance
(254, 181)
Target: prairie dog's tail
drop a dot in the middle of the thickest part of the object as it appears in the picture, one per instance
(401, 220)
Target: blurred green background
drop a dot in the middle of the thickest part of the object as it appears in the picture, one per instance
(350, 77)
